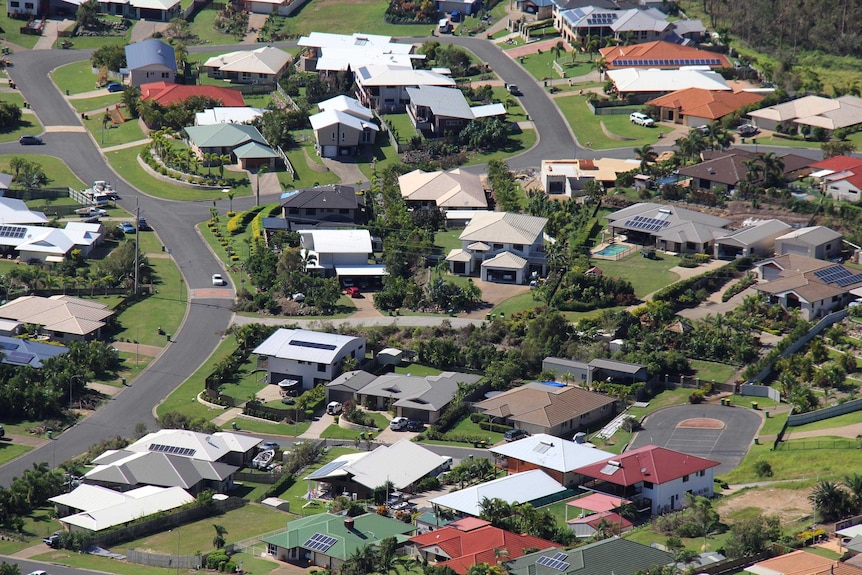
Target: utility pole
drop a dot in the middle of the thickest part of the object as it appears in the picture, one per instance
(137, 242)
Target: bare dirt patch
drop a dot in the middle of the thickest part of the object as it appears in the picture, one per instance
(789, 504)
(701, 423)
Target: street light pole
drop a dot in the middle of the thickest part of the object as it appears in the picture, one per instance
(71, 379)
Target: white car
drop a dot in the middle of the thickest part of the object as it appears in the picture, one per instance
(218, 280)
(398, 423)
(641, 119)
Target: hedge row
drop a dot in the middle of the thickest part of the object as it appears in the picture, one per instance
(495, 427)
(673, 294)
(236, 225)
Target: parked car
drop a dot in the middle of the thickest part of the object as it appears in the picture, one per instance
(333, 407)
(513, 89)
(30, 140)
(352, 291)
(515, 435)
(143, 225)
(747, 130)
(52, 540)
(218, 280)
(91, 211)
(114, 87)
(398, 423)
(415, 425)
(704, 129)
(641, 119)
(127, 228)
(269, 445)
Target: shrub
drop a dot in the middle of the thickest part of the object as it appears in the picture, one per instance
(696, 397)
(495, 427)
(479, 417)
(762, 468)
(428, 484)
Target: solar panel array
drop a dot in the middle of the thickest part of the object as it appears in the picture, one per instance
(601, 19)
(838, 275)
(313, 345)
(19, 357)
(9, 345)
(172, 450)
(320, 542)
(554, 562)
(12, 231)
(646, 224)
(663, 62)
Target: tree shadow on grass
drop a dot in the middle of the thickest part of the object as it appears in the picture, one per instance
(24, 124)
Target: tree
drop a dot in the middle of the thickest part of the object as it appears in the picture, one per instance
(834, 148)
(830, 500)
(853, 484)
(87, 15)
(219, 539)
(751, 536)
(9, 569)
(558, 49)
(647, 155)
(110, 56)
(10, 115)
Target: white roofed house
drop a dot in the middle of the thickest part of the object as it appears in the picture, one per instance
(327, 53)
(61, 317)
(341, 253)
(227, 115)
(383, 87)
(263, 66)
(306, 358)
(644, 84)
(555, 456)
(343, 127)
(501, 246)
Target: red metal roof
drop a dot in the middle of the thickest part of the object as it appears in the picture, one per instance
(648, 463)
(593, 520)
(466, 548)
(166, 94)
(837, 163)
(598, 502)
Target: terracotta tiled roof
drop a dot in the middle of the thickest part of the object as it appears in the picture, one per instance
(702, 103)
(166, 94)
(648, 463)
(838, 163)
(466, 548)
(659, 51)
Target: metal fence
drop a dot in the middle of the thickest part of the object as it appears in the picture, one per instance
(165, 561)
(760, 391)
(815, 443)
(796, 419)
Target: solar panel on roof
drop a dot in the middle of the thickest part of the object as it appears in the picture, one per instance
(561, 556)
(313, 345)
(8, 345)
(320, 542)
(12, 231)
(552, 563)
(19, 357)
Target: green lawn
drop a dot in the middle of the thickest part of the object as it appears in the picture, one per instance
(10, 450)
(268, 427)
(12, 98)
(125, 162)
(59, 173)
(645, 275)
(417, 369)
(96, 42)
(113, 135)
(788, 143)
(832, 422)
(202, 27)
(540, 66)
(830, 464)
(105, 565)
(402, 127)
(97, 103)
(518, 303)
(10, 31)
(773, 424)
(647, 536)
(384, 156)
(336, 432)
(40, 523)
(517, 143)
(587, 127)
(307, 174)
(467, 427)
(711, 371)
(28, 124)
(75, 78)
(448, 240)
(132, 366)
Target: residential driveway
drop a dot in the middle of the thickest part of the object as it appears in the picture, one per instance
(494, 294)
(716, 432)
(365, 306)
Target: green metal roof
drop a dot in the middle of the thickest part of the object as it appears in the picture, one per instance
(254, 150)
(224, 135)
(368, 529)
(615, 555)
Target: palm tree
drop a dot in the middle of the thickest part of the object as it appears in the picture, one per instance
(601, 65)
(853, 484)
(222, 160)
(230, 196)
(829, 500)
(558, 49)
(219, 540)
(646, 154)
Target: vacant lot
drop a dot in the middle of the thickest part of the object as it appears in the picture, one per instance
(789, 504)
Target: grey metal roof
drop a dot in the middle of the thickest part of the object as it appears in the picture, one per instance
(334, 196)
(449, 102)
(429, 393)
(352, 380)
(750, 235)
(150, 52)
(617, 556)
(612, 364)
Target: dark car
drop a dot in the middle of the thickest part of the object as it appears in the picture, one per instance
(30, 140)
(143, 225)
(415, 425)
(114, 87)
(515, 435)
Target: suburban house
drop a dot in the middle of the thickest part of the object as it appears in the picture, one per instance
(345, 386)
(403, 464)
(343, 127)
(503, 247)
(224, 447)
(383, 87)
(654, 478)
(469, 541)
(227, 115)
(92, 508)
(695, 107)
(330, 53)
(840, 177)
(13, 211)
(755, 239)
(243, 143)
(327, 540)
(438, 110)
(558, 458)
(341, 253)
(598, 369)
(568, 177)
(166, 94)
(18, 351)
(661, 54)
(667, 227)
(306, 358)
(535, 487)
(412, 396)
(334, 206)
(640, 85)
(615, 555)
(149, 61)
(801, 562)
(60, 317)
(592, 510)
(539, 9)
(263, 66)
(817, 242)
(445, 190)
(814, 287)
(48, 244)
(729, 168)
(811, 112)
(636, 25)
(550, 408)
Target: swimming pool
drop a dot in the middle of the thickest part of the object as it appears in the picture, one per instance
(611, 250)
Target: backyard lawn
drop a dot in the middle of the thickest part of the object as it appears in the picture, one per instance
(588, 127)
(645, 275)
(417, 369)
(711, 371)
(365, 15)
(59, 174)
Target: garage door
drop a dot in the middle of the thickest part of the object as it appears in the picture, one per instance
(330, 151)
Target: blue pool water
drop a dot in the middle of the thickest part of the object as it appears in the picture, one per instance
(611, 250)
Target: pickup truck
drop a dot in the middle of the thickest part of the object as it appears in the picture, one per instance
(91, 211)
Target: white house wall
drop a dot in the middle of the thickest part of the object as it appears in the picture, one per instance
(661, 494)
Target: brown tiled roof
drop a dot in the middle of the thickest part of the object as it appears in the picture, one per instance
(659, 50)
(702, 103)
(544, 405)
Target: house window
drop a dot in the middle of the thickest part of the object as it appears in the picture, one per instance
(701, 473)
(263, 76)
(647, 485)
(321, 367)
(28, 5)
(685, 478)
(246, 75)
(519, 247)
(311, 211)
(15, 4)
(294, 211)
(344, 211)
(272, 549)
(583, 377)
(332, 136)
(498, 246)
(343, 136)
(828, 247)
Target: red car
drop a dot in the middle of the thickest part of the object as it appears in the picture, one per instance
(352, 291)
